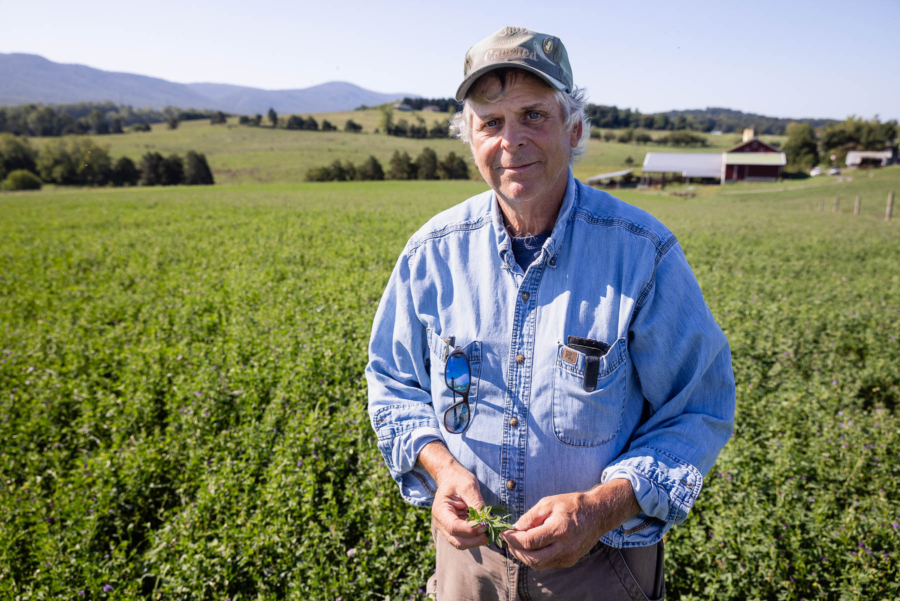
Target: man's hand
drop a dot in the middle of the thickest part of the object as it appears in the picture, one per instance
(561, 529)
(457, 491)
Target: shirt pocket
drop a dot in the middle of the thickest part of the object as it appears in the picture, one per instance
(441, 395)
(588, 419)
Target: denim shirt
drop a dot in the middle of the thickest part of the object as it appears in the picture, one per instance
(663, 397)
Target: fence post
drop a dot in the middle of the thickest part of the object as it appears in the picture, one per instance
(836, 201)
(890, 207)
(821, 205)
(856, 205)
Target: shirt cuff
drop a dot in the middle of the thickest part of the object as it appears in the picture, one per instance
(654, 501)
(421, 437)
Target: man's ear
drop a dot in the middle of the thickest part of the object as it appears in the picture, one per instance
(575, 135)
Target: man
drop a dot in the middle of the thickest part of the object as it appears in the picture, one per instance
(545, 347)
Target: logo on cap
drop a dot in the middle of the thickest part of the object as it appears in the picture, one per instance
(548, 46)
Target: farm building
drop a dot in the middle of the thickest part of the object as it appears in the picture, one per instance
(752, 160)
(612, 179)
(870, 158)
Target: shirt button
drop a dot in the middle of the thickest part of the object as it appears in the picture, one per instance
(514, 422)
(553, 261)
(520, 359)
(525, 296)
(510, 485)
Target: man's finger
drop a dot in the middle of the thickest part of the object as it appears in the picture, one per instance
(536, 538)
(450, 523)
(540, 559)
(534, 517)
(463, 542)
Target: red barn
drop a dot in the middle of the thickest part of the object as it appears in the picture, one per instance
(754, 161)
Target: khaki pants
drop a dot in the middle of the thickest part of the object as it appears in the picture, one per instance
(490, 574)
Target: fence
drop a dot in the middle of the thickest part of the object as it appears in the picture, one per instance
(857, 205)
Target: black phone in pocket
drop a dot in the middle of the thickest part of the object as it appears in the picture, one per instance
(593, 351)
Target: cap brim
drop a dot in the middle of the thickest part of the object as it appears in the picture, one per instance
(472, 77)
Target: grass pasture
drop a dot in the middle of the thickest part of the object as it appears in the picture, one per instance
(183, 406)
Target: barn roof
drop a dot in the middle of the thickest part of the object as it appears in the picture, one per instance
(755, 158)
(689, 164)
(750, 143)
(610, 175)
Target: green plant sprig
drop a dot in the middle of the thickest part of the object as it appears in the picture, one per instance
(495, 523)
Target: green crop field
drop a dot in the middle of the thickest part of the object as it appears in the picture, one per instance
(240, 154)
(182, 400)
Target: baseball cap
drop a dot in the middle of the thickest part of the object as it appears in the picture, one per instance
(539, 53)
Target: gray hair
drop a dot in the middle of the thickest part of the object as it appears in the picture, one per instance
(573, 106)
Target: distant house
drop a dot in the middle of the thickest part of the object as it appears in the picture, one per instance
(431, 108)
(403, 107)
(869, 158)
(752, 160)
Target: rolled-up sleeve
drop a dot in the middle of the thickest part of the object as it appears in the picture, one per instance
(399, 386)
(683, 364)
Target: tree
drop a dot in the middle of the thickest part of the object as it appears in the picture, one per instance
(125, 173)
(16, 153)
(427, 164)
(453, 167)
(401, 166)
(172, 171)
(98, 123)
(440, 129)
(257, 119)
(152, 169)
(172, 122)
(370, 170)
(327, 126)
(626, 136)
(643, 138)
(75, 161)
(295, 122)
(801, 148)
(386, 123)
(218, 118)
(273, 117)
(352, 126)
(311, 124)
(116, 127)
(196, 170)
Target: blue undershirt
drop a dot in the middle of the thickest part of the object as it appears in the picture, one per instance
(527, 249)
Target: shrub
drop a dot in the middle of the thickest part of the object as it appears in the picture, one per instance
(352, 126)
(140, 127)
(20, 179)
(609, 136)
(16, 153)
(626, 136)
(172, 171)
(172, 122)
(682, 138)
(327, 126)
(218, 118)
(243, 120)
(196, 170)
(311, 124)
(643, 138)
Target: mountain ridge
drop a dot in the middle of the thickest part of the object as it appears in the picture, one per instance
(31, 78)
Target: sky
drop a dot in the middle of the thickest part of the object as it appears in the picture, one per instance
(789, 58)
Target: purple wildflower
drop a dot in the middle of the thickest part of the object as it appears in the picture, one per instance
(351, 552)
(834, 382)
(896, 526)
(106, 588)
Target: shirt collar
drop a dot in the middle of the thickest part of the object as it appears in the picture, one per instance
(554, 243)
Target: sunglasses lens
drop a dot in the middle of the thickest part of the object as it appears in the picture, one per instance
(456, 418)
(457, 374)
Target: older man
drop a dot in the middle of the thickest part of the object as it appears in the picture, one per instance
(545, 347)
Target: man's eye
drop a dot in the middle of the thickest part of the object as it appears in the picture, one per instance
(492, 123)
(533, 116)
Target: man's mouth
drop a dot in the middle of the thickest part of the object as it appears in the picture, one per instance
(520, 168)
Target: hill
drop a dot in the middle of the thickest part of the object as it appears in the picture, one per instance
(29, 78)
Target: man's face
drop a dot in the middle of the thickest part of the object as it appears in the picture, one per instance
(520, 142)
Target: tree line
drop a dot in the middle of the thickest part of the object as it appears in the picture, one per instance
(96, 118)
(403, 129)
(445, 105)
(426, 166)
(79, 161)
(297, 122)
(805, 149)
(701, 120)
(676, 138)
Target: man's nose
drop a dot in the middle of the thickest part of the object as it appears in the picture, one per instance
(513, 135)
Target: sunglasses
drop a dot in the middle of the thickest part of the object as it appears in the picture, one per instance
(457, 376)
